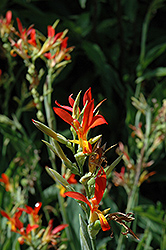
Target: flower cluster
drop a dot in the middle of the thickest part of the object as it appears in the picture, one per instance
(28, 43)
(81, 121)
(147, 139)
(32, 234)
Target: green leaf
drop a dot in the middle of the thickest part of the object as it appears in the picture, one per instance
(59, 152)
(151, 214)
(57, 177)
(145, 241)
(7, 244)
(153, 53)
(109, 169)
(84, 236)
(48, 131)
(16, 244)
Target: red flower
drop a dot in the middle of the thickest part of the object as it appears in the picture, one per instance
(8, 18)
(88, 121)
(86, 98)
(50, 42)
(5, 180)
(93, 203)
(5, 23)
(34, 212)
(62, 52)
(26, 233)
(18, 227)
(32, 41)
(23, 33)
(50, 234)
(16, 224)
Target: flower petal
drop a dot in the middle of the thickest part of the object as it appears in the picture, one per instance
(37, 207)
(78, 196)
(19, 24)
(64, 115)
(71, 100)
(87, 117)
(50, 31)
(87, 96)
(4, 179)
(100, 185)
(72, 179)
(8, 17)
(97, 120)
(59, 228)
(103, 221)
(64, 107)
(4, 214)
(29, 228)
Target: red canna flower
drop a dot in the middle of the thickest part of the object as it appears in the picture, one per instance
(5, 180)
(93, 203)
(89, 121)
(50, 235)
(34, 212)
(16, 224)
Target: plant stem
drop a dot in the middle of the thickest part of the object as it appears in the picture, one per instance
(66, 221)
(93, 242)
(133, 196)
(49, 112)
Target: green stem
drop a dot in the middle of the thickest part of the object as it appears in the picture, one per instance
(133, 196)
(66, 221)
(49, 112)
(48, 100)
(93, 242)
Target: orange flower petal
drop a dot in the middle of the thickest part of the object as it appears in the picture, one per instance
(64, 115)
(100, 185)
(87, 96)
(78, 196)
(103, 221)
(98, 120)
(59, 228)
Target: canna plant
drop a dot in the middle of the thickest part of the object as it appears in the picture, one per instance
(94, 183)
